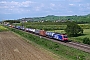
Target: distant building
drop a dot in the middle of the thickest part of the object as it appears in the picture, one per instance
(23, 21)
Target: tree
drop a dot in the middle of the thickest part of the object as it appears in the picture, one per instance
(12, 21)
(73, 29)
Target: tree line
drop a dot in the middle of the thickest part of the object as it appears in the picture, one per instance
(12, 21)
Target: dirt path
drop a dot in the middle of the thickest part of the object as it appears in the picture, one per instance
(13, 47)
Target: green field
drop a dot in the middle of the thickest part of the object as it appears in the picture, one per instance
(47, 27)
(84, 26)
(59, 31)
(86, 33)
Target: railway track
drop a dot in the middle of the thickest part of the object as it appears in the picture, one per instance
(76, 45)
(80, 46)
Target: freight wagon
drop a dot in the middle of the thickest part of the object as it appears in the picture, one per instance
(50, 34)
(26, 29)
(42, 33)
(22, 28)
(58, 36)
(37, 31)
(17, 27)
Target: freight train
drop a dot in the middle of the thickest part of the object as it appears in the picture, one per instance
(53, 35)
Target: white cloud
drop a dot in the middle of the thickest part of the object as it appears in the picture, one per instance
(37, 8)
(80, 5)
(26, 3)
(43, 7)
(75, 0)
(52, 4)
(70, 11)
(71, 4)
(15, 7)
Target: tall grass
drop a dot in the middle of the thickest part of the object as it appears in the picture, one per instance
(3, 28)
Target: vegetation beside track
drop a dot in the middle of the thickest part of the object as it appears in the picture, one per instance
(58, 49)
(3, 28)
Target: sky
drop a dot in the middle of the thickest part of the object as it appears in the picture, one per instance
(16, 9)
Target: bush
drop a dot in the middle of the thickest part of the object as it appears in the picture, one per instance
(86, 40)
(81, 57)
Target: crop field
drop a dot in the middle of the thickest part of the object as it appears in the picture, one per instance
(59, 31)
(47, 27)
(50, 25)
(13, 47)
(85, 26)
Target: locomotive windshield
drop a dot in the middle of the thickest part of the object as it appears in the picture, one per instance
(65, 36)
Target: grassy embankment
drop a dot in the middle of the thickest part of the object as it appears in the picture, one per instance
(3, 28)
(58, 49)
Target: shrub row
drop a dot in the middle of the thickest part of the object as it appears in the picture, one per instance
(47, 27)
